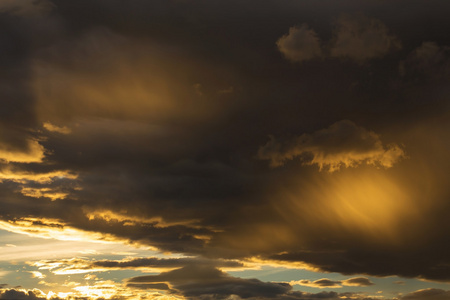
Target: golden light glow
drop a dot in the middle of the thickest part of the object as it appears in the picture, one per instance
(130, 220)
(370, 203)
(53, 229)
(33, 154)
(53, 128)
(43, 192)
(8, 173)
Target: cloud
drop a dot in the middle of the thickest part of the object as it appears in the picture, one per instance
(53, 128)
(22, 294)
(26, 7)
(428, 294)
(342, 144)
(195, 281)
(428, 61)
(36, 274)
(319, 283)
(149, 162)
(300, 44)
(327, 283)
(149, 264)
(355, 37)
(33, 152)
(357, 281)
(360, 38)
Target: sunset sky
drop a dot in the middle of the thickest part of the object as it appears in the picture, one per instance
(209, 149)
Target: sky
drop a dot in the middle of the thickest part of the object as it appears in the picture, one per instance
(225, 150)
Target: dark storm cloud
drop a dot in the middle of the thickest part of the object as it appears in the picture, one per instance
(148, 115)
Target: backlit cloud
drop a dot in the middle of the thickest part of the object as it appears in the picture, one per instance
(327, 283)
(342, 144)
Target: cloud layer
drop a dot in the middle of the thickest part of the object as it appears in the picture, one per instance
(145, 124)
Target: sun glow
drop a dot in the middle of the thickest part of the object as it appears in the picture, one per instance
(366, 203)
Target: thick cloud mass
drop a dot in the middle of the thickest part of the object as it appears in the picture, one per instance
(146, 123)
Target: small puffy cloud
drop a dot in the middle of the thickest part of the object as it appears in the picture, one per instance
(320, 283)
(36, 274)
(428, 294)
(342, 144)
(300, 44)
(54, 128)
(360, 38)
(357, 281)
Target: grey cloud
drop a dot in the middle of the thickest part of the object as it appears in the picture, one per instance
(300, 44)
(428, 61)
(360, 38)
(342, 144)
(355, 37)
